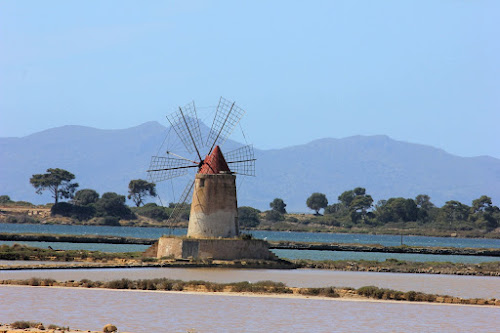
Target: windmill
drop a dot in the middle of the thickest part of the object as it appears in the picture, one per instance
(214, 211)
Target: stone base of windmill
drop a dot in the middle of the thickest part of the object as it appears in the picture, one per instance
(218, 249)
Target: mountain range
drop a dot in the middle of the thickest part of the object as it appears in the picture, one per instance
(106, 160)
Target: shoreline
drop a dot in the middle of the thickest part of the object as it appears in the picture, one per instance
(387, 232)
(388, 266)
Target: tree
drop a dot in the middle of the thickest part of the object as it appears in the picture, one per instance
(354, 203)
(337, 209)
(278, 205)
(57, 181)
(4, 199)
(112, 204)
(396, 210)
(359, 206)
(424, 206)
(484, 214)
(317, 201)
(138, 189)
(248, 217)
(454, 211)
(85, 197)
(483, 204)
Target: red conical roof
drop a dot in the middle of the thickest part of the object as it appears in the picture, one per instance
(214, 163)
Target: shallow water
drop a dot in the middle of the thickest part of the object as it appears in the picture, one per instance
(139, 311)
(453, 285)
(387, 240)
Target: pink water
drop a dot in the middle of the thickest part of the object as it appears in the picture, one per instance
(139, 311)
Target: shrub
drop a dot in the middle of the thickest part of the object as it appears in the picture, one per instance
(62, 208)
(153, 211)
(34, 281)
(367, 291)
(112, 221)
(119, 284)
(309, 291)
(248, 217)
(57, 327)
(23, 324)
(326, 292)
(20, 219)
(23, 203)
(165, 285)
(410, 295)
(74, 211)
(274, 216)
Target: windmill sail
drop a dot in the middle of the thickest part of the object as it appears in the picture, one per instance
(164, 168)
(242, 160)
(186, 125)
(186, 194)
(227, 116)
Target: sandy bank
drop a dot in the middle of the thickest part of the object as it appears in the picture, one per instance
(258, 289)
(21, 327)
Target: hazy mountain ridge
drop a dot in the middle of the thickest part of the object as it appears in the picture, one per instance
(106, 160)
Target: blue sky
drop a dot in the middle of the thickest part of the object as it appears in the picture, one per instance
(419, 71)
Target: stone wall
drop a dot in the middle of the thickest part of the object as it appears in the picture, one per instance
(219, 249)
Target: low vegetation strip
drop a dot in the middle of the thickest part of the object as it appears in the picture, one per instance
(22, 326)
(23, 252)
(75, 239)
(386, 249)
(400, 266)
(261, 287)
(95, 259)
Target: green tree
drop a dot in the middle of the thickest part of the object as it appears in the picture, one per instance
(57, 181)
(85, 197)
(396, 210)
(359, 206)
(454, 211)
(138, 189)
(278, 205)
(338, 209)
(4, 199)
(317, 201)
(484, 214)
(112, 204)
(354, 204)
(248, 217)
(424, 207)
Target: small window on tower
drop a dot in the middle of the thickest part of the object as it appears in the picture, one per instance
(202, 182)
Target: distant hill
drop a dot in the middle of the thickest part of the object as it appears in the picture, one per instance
(106, 160)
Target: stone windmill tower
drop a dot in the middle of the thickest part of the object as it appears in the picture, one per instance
(214, 209)
(214, 215)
